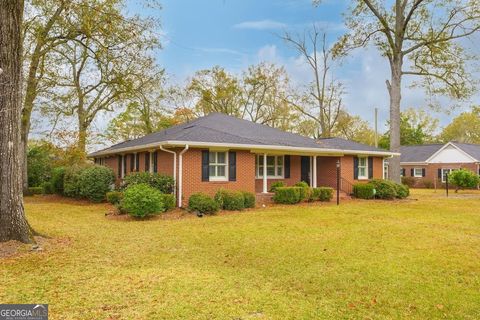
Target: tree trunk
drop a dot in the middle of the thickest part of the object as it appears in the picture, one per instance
(394, 90)
(13, 224)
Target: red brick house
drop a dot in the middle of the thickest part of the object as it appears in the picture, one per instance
(220, 151)
(429, 164)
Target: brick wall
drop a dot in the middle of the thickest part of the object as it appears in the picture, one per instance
(431, 172)
(347, 169)
(192, 174)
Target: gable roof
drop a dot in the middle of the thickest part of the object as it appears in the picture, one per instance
(422, 153)
(221, 129)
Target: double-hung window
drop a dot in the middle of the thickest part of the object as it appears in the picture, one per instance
(275, 166)
(444, 174)
(217, 166)
(362, 168)
(418, 172)
(385, 169)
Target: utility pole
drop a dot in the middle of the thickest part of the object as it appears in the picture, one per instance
(376, 127)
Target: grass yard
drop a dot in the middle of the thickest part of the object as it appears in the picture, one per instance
(362, 260)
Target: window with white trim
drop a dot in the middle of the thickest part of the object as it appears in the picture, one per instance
(217, 166)
(275, 166)
(362, 168)
(444, 174)
(418, 172)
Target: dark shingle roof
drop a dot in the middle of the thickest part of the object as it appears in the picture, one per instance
(421, 153)
(221, 128)
(418, 153)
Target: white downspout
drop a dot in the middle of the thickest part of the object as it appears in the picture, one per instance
(180, 176)
(174, 168)
(314, 171)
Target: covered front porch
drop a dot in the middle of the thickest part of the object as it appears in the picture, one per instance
(315, 170)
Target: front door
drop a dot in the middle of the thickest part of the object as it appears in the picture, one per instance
(305, 170)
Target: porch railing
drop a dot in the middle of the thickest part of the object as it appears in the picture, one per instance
(346, 186)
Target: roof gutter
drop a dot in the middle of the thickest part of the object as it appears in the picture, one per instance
(317, 151)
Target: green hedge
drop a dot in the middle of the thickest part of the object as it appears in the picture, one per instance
(249, 199)
(288, 195)
(305, 191)
(58, 175)
(463, 179)
(162, 183)
(114, 197)
(202, 203)
(363, 191)
(71, 178)
(94, 182)
(403, 190)
(384, 189)
(230, 200)
(141, 200)
(276, 184)
(48, 188)
(326, 193)
(169, 201)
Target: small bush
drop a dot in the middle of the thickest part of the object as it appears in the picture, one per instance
(141, 200)
(169, 201)
(58, 175)
(249, 199)
(288, 195)
(35, 190)
(162, 183)
(384, 189)
(276, 184)
(230, 200)
(463, 179)
(363, 191)
(47, 187)
(202, 203)
(306, 190)
(94, 182)
(71, 185)
(325, 193)
(314, 194)
(428, 184)
(409, 181)
(114, 197)
(402, 190)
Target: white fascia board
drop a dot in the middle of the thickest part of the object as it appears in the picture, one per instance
(413, 163)
(253, 147)
(446, 146)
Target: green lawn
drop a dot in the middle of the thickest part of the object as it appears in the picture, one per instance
(361, 260)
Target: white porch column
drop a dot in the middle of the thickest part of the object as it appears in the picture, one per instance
(310, 173)
(123, 167)
(265, 185)
(314, 171)
(150, 158)
(135, 162)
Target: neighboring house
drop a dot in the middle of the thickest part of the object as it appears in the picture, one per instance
(430, 163)
(220, 151)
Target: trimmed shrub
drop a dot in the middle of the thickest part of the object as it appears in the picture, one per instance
(306, 190)
(230, 200)
(314, 194)
(202, 203)
(249, 199)
(363, 191)
(402, 190)
(288, 195)
(141, 200)
(385, 189)
(409, 181)
(325, 193)
(35, 190)
(94, 182)
(276, 184)
(463, 179)
(58, 175)
(114, 197)
(169, 201)
(71, 185)
(161, 182)
(48, 187)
